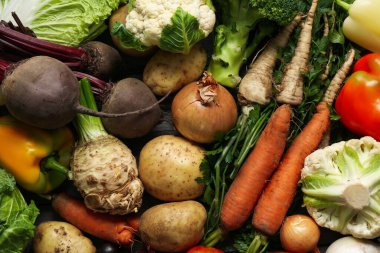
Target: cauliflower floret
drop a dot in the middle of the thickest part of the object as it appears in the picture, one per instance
(148, 18)
(341, 187)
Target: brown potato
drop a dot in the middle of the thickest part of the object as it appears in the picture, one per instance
(169, 166)
(58, 236)
(119, 16)
(167, 71)
(173, 227)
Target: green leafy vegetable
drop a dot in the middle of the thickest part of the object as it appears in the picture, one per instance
(66, 22)
(16, 217)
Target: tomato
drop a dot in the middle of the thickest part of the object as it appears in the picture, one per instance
(203, 249)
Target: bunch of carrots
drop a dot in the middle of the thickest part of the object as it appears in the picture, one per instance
(266, 183)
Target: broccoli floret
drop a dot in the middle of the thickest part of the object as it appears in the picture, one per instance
(238, 21)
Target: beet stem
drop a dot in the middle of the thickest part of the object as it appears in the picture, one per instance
(3, 68)
(99, 87)
(38, 46)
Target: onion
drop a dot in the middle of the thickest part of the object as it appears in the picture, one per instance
(350, 244)
(299, 233)
(201, 110)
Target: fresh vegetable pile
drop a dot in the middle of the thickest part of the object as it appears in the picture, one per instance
(189, 126)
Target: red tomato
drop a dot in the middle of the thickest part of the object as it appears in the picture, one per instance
(204, 249)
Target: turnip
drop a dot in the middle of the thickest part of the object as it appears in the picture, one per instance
(44, 92)
(94, 57)
(103, 168)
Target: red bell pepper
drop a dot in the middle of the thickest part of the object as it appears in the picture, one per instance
(358, 102)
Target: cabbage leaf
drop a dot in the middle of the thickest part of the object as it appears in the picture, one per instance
(16, 216)
(65, 22)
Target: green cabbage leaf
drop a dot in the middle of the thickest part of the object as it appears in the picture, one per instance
(65, 22)
(16, 216)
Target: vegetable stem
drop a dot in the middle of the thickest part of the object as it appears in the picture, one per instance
(213, 238)
(343, 4)
(88, 127)
(258, 244)
(51, 163)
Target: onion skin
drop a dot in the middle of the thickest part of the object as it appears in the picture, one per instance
(201, 118)
(299, 233)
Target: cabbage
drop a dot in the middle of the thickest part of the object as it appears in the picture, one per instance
(341, 186)
(66, 22)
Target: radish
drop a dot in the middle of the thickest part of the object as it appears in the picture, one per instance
(44, 92)
(94, 57)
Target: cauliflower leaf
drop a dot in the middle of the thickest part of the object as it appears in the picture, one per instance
(182, 34)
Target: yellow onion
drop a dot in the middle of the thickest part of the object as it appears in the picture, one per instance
(202, 109)
(299, 234)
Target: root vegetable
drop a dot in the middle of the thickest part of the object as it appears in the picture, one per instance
(169, 167)
(58, 236)
(278, 194)
(103, 168)
(334, 87)
(291, 87)
(203, 109)
(167, 71)
(338, 79)
(113, 228)
(44, 92)
(246, 189)
(256, 85)
(94, 57)
(130, 94)
(173, 227)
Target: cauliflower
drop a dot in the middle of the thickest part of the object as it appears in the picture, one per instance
(341, 186)
(172, 25)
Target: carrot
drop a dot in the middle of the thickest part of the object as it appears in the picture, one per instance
(246, 188)
(108, 227)
(291, 86)
(278, 194)
(256, 85)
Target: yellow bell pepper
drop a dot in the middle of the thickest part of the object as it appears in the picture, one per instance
(362, 26)
(37, 158)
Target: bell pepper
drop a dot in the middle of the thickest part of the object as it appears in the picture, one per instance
(358, 102)
(362, 26)
(37, 158)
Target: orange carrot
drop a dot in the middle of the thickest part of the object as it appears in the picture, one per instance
(108, 227)
(256, 170)
(278, 194)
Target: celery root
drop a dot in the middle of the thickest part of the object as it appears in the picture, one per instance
(256, 85)
(103, 168)
(291, 86)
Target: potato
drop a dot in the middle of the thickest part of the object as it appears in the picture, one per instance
(173, 227)
(58, 236)
(119, 16)
(168, 167)
(167, 71)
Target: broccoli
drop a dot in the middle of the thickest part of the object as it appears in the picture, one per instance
(238, 21)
